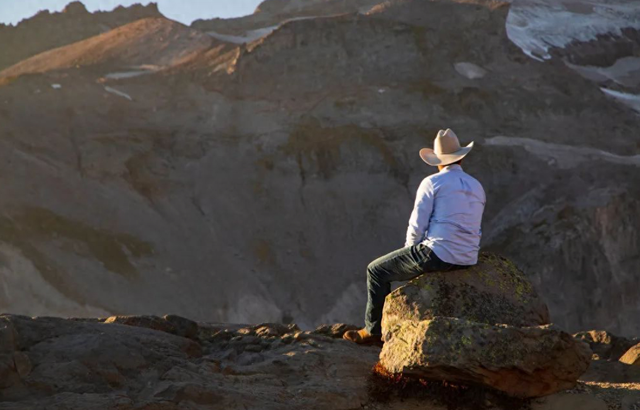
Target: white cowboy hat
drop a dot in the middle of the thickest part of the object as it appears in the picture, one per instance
(447, 149)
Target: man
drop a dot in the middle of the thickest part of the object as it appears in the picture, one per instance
(443, 234)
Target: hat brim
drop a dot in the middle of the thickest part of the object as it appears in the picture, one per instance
(433, 159)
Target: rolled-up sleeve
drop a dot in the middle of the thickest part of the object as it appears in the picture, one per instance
(419, 220)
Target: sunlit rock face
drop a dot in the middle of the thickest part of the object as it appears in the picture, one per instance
(253, 181)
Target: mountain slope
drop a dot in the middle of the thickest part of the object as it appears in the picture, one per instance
(46, 31)
(153, 42)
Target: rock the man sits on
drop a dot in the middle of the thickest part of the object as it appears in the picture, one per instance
(443, 234)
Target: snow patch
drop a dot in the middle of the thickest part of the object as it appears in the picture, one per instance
(631, 100)
(56, 86)
(118, 93)
(125, 74)
(248, 37)
(625, 71)
(470, 70)
(563, 156)
(135, 72)
(253, 35)
(537, 25)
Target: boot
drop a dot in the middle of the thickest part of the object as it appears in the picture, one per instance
(362, 337)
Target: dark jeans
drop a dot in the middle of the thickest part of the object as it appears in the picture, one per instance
(400, 265)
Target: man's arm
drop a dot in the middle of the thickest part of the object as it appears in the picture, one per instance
(419, 220)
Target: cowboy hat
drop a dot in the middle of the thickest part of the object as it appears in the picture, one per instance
(447, 149)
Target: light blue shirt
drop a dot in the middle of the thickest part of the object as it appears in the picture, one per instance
(447, 215)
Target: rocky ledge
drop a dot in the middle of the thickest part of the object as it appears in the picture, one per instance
(147, 362)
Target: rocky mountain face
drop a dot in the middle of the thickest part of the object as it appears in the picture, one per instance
(251, 174)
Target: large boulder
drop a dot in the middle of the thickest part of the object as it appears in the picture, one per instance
(493, 291)
(520, 361)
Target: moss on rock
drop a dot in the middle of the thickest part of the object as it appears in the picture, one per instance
(520, 361)
(493, 291)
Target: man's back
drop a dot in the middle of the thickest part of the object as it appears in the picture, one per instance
(448, 216)
(444, 231)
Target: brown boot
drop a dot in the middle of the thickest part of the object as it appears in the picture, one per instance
(362, 337)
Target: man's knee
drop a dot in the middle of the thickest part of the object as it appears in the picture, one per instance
(373, 269)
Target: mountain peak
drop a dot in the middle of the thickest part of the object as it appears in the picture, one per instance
(271, 6)
(75, 7)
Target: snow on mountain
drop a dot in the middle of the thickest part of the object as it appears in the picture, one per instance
(536, 26)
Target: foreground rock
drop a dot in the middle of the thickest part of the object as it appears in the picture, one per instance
(523, 362)
(129, 362)
(493, 291)
(81, 364)
(483, 325)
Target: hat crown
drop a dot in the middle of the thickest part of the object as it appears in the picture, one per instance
(446, 142)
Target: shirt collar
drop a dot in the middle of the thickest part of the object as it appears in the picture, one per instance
(452, 167)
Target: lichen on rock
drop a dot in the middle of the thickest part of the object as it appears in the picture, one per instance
(483, 325)
(520, 361)
(493, 291)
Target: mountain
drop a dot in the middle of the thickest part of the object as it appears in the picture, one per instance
(153, 169)
(48, 30)
(152, 43)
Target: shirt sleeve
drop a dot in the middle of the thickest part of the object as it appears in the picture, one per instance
(419, 220)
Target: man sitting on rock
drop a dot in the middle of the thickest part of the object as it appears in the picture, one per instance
(444, 231)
